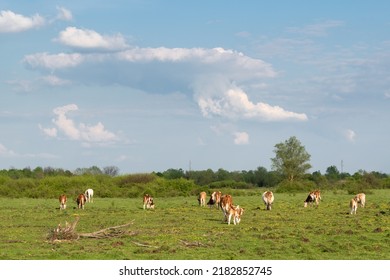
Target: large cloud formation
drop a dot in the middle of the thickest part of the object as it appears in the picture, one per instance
(216, 77)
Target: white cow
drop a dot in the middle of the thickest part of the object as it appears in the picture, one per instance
(89, 195)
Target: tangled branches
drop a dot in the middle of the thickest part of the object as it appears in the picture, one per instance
(68, 233)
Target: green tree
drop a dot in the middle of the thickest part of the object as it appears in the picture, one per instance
(332, 173)
(291, 159)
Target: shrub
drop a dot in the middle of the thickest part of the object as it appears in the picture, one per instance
(295, 186)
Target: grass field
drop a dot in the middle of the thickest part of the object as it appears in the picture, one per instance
(179, 229)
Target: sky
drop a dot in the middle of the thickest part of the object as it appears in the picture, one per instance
(152, 85)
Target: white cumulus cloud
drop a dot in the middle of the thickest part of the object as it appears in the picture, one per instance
(90, 39)
(11, 22)
(88, 134)
(230, 101)
(216, 77)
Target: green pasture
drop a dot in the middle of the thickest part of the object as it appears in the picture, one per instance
(179, 229)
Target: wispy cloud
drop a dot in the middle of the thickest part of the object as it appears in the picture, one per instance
(241, 138)
(11, 22)
(318, 29)
(43, 81)
(7, 153)
(53, 61)
(4, 152)
(350, 135)
(87, 134)
(64, 14)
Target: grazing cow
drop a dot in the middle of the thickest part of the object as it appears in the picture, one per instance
(62, 200)
(353, 204)
(202, 199)
(81, 199)
(215, 199)
(148, 202)
(314, 196)
(268, 198)
(229, 210)
(89, 195)
(361, 199)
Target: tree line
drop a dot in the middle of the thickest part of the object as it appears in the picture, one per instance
(289, 173)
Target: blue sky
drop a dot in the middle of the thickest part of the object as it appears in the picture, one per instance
(152, 85)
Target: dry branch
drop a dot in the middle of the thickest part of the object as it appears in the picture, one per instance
(192, 244)
(144, 245)
(69, 232)
(107, 232)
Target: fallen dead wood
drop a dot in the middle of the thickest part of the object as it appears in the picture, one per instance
(192, 244)
(107, 232)
(69, 233)
(144, 245)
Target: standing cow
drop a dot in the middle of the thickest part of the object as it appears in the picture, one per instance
(361, 199)
(62, 200)
(268, 199)
(215, 199)
(314, 196)
(81, 200)
(148, 202)
(353, 204)
(89, 195)
(229, 210)
(202, 199)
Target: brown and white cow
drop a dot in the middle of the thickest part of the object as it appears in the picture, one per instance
(148, 202)
(62, 200)
(314, 196)
(81, 200)
(235, 212)
(225, 203)
(353, 205)
(229, 210)
(268, 199)
(202, 199)
(215, 199)
(361, 199)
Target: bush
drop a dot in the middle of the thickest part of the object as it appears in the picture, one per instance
(295, 186)
(230, 184)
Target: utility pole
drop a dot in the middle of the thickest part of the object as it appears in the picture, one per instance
(342, 166)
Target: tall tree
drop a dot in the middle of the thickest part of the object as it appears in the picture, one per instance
(291, 159)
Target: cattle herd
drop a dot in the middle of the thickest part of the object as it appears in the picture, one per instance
(81, 199)
(223, 202)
